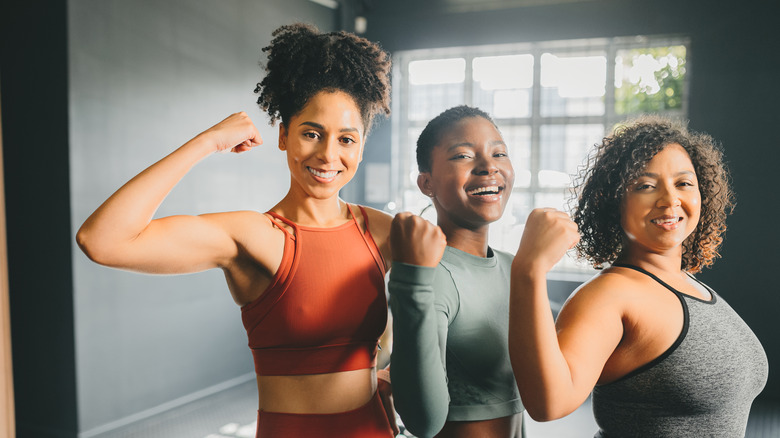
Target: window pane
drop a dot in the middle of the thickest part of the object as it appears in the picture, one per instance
(410, 155)
(505, 233)
(503, 84)
(649, 80)
(555, 200)
(415, 202)
(518, 142)
(573, 85)
(562, 149)
(434, 86)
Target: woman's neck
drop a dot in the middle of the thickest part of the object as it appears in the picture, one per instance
(309, 211)
(472, 241)
(670, 262)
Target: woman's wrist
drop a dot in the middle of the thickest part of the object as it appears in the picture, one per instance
(383, 374)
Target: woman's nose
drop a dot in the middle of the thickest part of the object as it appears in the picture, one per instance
(485, 166)
(668, 198)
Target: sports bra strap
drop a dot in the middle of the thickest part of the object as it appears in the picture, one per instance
(293, 225)
(378, 257)
(666, 285)
(651, 275)
(648, 273)
(286, 221)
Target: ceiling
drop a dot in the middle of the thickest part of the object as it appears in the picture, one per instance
(484, 5)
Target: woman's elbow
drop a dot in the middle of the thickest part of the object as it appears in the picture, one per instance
(424, 427)
(92, 247)
(543, 412)
(420, 422)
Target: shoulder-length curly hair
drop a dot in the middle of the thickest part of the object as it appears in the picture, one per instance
(617, 162)
(302, 61)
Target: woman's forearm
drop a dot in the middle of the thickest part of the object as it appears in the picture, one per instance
(418, 371)
(543, 376)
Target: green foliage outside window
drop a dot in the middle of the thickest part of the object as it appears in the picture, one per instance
(649, 80)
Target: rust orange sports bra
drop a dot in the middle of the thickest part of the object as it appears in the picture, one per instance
(325, 308)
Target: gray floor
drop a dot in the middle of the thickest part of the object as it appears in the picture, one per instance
(232, 414)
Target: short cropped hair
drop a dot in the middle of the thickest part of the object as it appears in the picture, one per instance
(432, 133)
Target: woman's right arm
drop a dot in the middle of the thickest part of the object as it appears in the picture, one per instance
(556, 364)
(122, 233)
(419, 329)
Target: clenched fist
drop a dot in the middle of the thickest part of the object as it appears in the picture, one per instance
(415, 241)
(236, 133)
(548, 234)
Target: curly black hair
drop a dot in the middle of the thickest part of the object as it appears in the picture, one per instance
(432, 132)
(617, 162)
(302, 62)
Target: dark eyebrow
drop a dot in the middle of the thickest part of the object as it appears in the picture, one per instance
(312, 124)
(471, 145)
(318, 126)
(655, 175)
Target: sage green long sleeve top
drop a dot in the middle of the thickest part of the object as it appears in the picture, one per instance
(450, 359)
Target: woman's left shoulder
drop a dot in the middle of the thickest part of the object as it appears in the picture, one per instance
(377, 223)
(378, 220)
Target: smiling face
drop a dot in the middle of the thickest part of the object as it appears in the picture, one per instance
(324, 144)
(471, 176)
(662, 207)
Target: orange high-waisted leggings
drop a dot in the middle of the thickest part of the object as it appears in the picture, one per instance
(367, 421)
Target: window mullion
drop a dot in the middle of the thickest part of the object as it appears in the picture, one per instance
(468, 81)
(536, 121)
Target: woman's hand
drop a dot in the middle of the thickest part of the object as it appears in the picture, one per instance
(236, 134)
(548, 234)
(415, 241)
(385, 390)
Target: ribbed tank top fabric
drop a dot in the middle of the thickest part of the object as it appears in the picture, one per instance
(702, 386)
(325, 308)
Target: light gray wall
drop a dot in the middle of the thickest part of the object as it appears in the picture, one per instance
(146, 76)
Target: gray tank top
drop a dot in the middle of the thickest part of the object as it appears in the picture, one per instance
(702, 386)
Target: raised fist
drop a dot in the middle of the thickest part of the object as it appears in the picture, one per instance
(416, 241)
(236, 134)
(548, 234)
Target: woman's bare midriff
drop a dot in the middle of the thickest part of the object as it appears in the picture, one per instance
(316, 393)
(503, 427)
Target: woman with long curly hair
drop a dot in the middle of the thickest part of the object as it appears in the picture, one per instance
(309, 273)
(661, 352)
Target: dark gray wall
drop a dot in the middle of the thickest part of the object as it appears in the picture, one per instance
(93, 92)
(33, 78)
(733, 97)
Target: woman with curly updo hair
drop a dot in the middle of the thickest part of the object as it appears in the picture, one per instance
(309, 273)
(662, 353)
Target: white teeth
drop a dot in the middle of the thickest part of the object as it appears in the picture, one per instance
(666, 221)
(317, 173)
(491, 189)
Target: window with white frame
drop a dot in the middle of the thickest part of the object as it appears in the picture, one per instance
(552, 102)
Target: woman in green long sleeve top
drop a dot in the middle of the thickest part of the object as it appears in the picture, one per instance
(449, 291)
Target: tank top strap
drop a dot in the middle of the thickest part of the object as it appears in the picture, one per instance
(365, 216)
(286, 221)
(368, 238)
(683, 331)
(649, 274)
